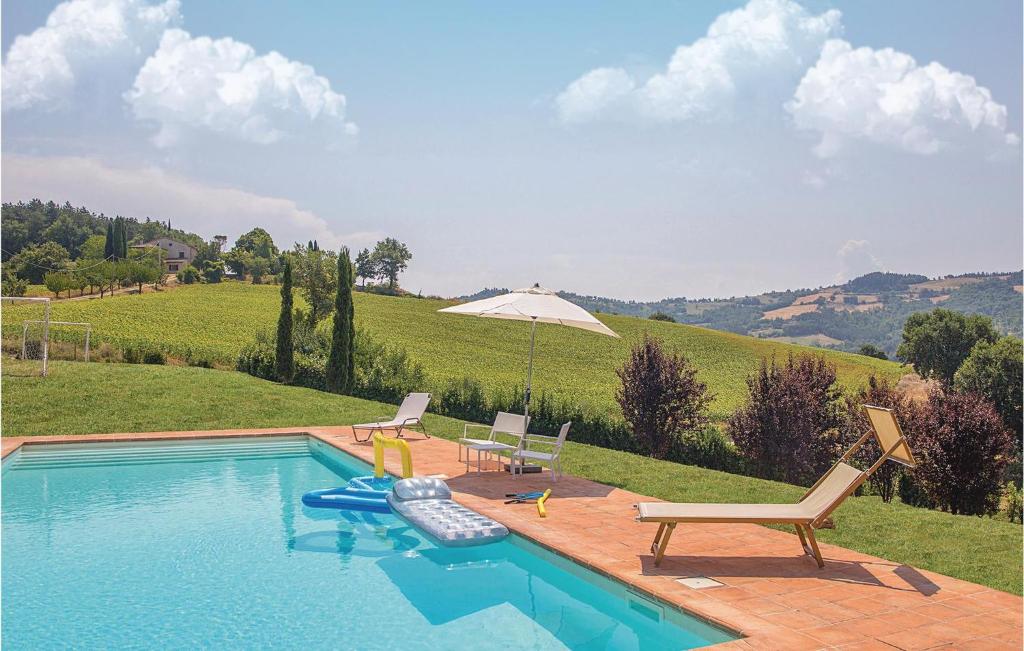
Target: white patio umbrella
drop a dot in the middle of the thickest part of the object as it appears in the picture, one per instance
(537, 305)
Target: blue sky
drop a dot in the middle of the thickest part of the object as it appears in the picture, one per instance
(687, 148)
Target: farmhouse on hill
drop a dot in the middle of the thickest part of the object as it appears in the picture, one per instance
(176, 255)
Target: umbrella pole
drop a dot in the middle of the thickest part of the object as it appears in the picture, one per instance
(529, 379)
(529, 367)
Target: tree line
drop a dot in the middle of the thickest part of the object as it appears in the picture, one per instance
(68, 248)
(26, 224)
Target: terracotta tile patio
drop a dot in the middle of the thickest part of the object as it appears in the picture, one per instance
(772, 594)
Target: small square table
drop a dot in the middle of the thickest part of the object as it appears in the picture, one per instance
(487, 449)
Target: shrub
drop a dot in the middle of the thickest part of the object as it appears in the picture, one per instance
(464, 399)
(308, 337)
(131, 355)
(661, 316)
(881, 393)
(257, 358)
(188, 275)
(143, 355)
(198, 360)
(871, 350)
(384, 373)
(106, 353)
(660, 397)
(912, 494)
(1014, 503)
(311, 372)
(154, 356)
(213, 271)
(783, 430)
(961, 446)
(708, 448)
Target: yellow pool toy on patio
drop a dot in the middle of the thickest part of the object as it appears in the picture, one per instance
(543, 512)
(379, 443)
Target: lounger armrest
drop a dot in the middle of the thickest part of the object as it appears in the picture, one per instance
(466, 426)
(538, 439)
(541, 438)
(372, 425)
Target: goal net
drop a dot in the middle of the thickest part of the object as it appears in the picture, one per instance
(26, 347)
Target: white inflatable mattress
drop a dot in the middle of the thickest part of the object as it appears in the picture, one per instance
(426, 503)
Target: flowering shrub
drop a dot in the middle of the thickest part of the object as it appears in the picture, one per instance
(660, 397)
(961, 445)
(787, 429)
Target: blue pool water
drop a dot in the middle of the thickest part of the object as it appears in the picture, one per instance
(207, 545)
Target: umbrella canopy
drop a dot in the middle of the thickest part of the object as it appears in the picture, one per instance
(537, 305)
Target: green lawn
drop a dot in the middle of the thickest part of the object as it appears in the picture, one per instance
(217, 320)
(81, 398)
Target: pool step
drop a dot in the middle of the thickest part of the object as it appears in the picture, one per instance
(145, 453)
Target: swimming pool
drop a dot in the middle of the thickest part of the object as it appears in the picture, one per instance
(206, 544)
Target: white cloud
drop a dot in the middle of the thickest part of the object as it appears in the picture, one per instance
(43, 69)
(856, 259)
(753, 53)
(152, 192)
(884, 96)
(594, 94)
(222, 86)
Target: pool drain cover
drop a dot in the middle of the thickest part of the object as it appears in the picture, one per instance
(699, 582)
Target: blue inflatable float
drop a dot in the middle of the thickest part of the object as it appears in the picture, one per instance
(361, 494)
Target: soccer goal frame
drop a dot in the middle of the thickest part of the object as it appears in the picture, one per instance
(27, 323)
(46, 323)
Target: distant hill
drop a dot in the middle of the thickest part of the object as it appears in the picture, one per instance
(869, 309)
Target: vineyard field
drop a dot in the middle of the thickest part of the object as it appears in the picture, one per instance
(214, 322)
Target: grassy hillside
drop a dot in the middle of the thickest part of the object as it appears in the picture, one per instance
(217, 320)
(93, 398)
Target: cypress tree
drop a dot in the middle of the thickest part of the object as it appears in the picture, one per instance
(341, 363)
(285, 362)
(123, 239)
(115, 242)
(108, 246)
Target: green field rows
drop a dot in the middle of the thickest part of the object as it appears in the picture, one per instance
(215, 321)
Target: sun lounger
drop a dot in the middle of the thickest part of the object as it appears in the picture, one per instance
(809, 513)
(409, 416)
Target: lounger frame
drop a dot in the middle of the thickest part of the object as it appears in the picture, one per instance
(409, 424)
(897, 450)
(392, 423)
